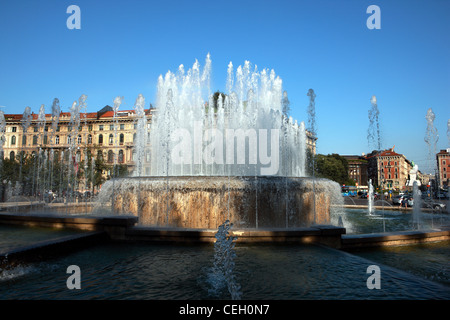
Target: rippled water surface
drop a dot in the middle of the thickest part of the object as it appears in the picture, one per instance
(357, 221)
(12, 236)
(143, 271)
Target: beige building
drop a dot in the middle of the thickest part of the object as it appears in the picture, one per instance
(99, 133)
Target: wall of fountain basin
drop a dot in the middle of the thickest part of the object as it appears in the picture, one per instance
(206, 202)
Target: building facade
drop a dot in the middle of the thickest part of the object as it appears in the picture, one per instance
(443, 167)
(99, 134)
(357, 169)
(389, 169)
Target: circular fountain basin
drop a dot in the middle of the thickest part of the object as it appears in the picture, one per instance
(207, 201)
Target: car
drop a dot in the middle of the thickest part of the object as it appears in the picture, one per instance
(435, 205)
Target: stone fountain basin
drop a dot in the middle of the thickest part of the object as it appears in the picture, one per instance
(205, 202)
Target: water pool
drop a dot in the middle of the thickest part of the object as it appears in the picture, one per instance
(14, 236)
(144, 271)
(358, 221)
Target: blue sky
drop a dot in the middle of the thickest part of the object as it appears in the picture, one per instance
(123, 46)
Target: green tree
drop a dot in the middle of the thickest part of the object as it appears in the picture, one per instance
(333, 167)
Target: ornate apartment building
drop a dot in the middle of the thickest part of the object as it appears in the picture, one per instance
(390, 169)
(101, 133)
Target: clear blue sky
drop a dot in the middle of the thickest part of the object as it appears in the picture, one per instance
(123, 46)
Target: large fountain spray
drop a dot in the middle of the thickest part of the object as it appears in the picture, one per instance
(206, 158)
(245, 132)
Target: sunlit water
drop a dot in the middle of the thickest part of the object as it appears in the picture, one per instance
(148, 271)
(181, 272)
(358, 221)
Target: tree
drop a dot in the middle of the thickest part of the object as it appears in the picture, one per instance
(333, 167)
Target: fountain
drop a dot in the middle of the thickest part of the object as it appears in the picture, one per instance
(233, 164)
(370, 197)
(239, 157)
(222, 274)
(373, 132)
(417, 212)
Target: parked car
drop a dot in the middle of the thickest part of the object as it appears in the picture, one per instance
(433, 204)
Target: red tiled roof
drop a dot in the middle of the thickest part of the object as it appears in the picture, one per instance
(388, 153)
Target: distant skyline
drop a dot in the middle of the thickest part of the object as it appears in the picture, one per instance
(123, 46)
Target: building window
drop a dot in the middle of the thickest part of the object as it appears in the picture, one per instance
(35, 129)
(99, 155)
(111, 127)
(111, 139)
(122, 126)
(12, 156)
(121, 139)
(80, 139)
(13, 140)
(58, 128)
(90, 127)
(110, 156)
(69, 139)
(35, 140)
(45, 139)
(100, 139)
(24, 140)
(69, 128)
(90, 139)
(121, 156)
(100, 127)
(57, 140)
(14, 129)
